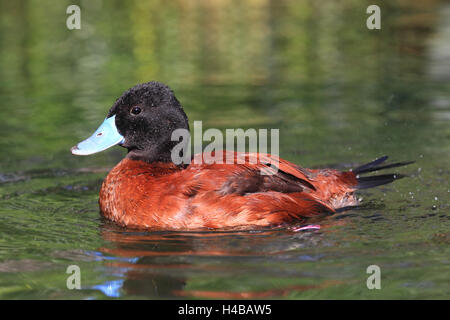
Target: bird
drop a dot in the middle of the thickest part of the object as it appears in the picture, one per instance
(148, 190)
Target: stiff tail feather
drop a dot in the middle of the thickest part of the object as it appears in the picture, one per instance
(374, 181)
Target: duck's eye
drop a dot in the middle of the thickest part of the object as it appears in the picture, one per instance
(136, 110)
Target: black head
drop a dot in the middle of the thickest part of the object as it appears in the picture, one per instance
(146, 116)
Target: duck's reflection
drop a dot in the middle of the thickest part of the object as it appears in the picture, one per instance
(175, 265)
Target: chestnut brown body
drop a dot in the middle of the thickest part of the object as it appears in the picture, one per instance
(161, 195)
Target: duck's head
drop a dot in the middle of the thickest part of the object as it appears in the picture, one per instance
(141, 120)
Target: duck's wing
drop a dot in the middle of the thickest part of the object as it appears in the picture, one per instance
(269, 191)
(256, 172)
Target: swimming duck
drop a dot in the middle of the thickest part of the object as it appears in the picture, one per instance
(148, 190)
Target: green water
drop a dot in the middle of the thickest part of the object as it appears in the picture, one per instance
(340, 94)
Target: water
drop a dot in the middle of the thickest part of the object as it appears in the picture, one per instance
(340, 94)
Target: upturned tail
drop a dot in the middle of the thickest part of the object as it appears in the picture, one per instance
(378, 180)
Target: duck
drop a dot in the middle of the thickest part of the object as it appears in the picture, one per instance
(148, 190)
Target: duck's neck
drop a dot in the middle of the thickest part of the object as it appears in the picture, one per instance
(150, 155)
(131, 168)
(158, 150)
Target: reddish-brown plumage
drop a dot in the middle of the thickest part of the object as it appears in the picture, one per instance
(242, 190)
(163, 196)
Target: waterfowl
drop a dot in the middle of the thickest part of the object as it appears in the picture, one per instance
(148, 190)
